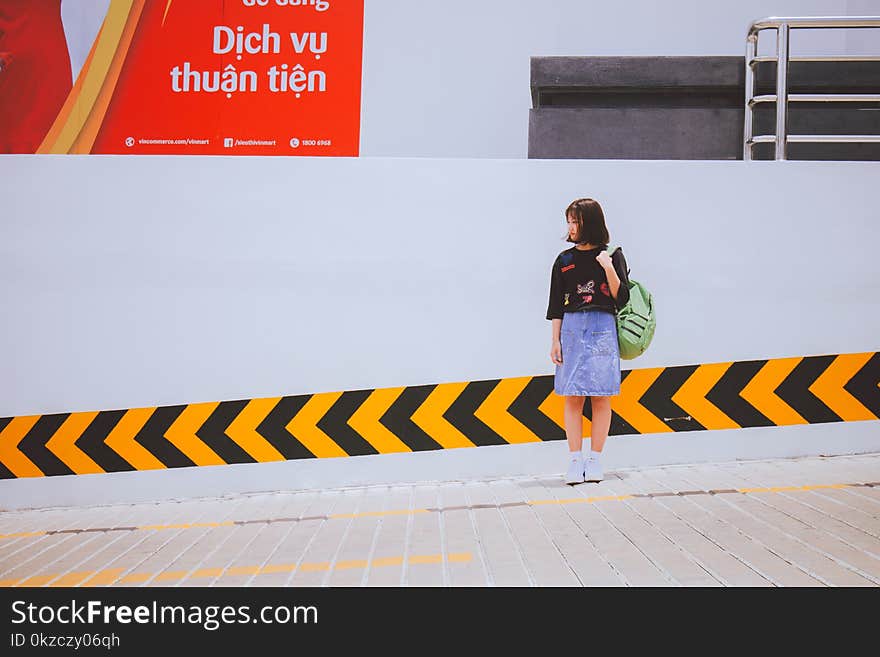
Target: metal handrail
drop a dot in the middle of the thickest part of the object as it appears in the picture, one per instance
(773, 58)
(819, 98)
(820, 139)
(783, 26)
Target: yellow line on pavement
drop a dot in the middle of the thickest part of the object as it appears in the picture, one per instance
(22, 534)
(72, 579)
(188, 525)
(388, 561)
(104, 577)
(112, 576)
(171, 575)
(242, 570)
(430, 558)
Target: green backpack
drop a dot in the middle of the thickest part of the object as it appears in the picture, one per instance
(635, 320)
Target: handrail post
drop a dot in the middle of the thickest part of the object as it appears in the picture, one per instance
(751, 53)
(782, 51)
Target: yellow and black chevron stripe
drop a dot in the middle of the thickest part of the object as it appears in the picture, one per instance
(757, 393)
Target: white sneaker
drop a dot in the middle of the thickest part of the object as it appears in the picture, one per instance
(575, 474)
(593, 471)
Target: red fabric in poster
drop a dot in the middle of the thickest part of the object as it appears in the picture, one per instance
(35, 76)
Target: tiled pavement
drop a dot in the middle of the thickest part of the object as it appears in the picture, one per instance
(792, 522)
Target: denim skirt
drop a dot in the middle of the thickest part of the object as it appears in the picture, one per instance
(590, 355)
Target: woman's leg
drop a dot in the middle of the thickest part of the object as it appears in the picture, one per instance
(601, 422)
(573, 416)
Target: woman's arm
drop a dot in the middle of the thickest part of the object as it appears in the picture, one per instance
(554, 313)
(556, 346)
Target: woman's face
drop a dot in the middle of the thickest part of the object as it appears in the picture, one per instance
(572, 227)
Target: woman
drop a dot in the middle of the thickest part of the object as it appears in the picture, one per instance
(587, 286)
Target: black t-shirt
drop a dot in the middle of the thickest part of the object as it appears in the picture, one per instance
(578, 282)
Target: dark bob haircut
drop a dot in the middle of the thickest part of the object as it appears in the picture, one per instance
(591, 222)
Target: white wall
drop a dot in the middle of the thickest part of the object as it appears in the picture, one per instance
(132, 282)
(864, 42)
(129, 282)
(451, 79)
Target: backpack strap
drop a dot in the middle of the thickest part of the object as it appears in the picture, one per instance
(612, 249)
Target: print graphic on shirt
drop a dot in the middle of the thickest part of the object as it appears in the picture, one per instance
(586, 288)
(565, 303)
(587, 298)
(604, 289)
(565, 269)
(566, 258)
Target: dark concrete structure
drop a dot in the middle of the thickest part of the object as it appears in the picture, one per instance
(690, 108)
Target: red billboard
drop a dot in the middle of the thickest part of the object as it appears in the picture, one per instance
(233, 77)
